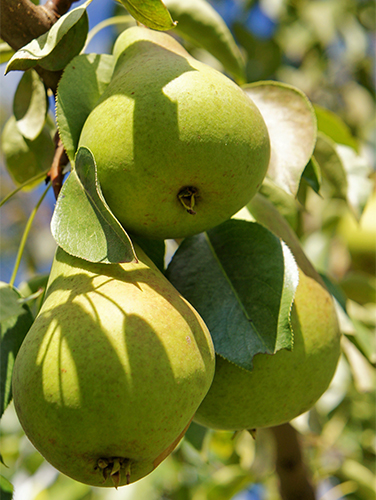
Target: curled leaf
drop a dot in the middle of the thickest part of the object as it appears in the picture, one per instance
(151, 13)
(82, 223)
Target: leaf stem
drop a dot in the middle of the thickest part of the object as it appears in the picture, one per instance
(25, 235)
(104, 24)
(24, 184)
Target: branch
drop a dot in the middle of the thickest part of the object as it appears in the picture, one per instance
(21, 21)
(294, 481)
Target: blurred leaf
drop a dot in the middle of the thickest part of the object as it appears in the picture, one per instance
(151, 13)
(286, 204)
(55, 48)
(200, 23)
(30, 105)
(6, 52)
(346, 171)
(195, 435)
(363, 477)
(25, 159)
(363, 372)
(82, 223)
(291, 124)
(331, 125)
(82, 83)
(312, 175)
(15, 321)
(263, 56)
(331, 165)
(360, 287)
(223, 484)
(242, 280)
(6, 489)
(359, 184)
(34, 287)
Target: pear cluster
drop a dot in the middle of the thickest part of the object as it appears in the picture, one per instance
(117, 363)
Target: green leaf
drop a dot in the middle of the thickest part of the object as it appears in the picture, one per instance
(151, 13)
(25, 159)
(312, 175)
(6, 489)
(30, 105)
(331, 165)
(286, 204)
(346, 171)
(55, 48)
(154, 249)
(83, 81)
(242, 280)
(267, 214)
(82, 223)
(291, 123)
(200, 23)
(263, 57)
(195, 435)
(6, 52)
(331, 125)
(15, 321)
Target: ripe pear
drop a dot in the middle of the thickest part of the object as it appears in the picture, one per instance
(179, 146)
(284, 385)
(110, 374)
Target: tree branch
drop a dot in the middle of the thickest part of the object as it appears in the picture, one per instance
(21, 21)
(294, 481)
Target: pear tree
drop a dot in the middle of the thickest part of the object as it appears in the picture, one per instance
(185, 300)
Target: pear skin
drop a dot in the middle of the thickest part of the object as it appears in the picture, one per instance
(284, 385)
(179, 146)
(112, 371)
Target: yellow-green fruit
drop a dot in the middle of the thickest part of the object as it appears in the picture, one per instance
(284, 385)
(179, 146)
(112, 370)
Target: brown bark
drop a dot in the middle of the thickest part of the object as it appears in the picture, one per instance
(293, 475)
(21, 21)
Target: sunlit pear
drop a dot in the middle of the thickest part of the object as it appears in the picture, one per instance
(284, 385)
(179, 146)
(112, 371)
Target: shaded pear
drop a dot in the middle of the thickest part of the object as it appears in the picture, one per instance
(284, 385)
(110, 374)
(179, 146)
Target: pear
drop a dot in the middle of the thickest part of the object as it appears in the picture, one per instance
(179, 146)
(284, 385)
(112, 370)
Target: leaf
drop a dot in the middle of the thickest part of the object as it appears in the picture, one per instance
(346, 171)
(83, 81)
(242, 280)
(82, 224)
(25, 159)
(291, 124)
(196, 435)
(154, 249)
(312, 175)
(200, 23)
(6, 488)
(64, 37)
(331, 165)
(263, 56)
(30, 105)
(331, 125)
(286, 204)
(266, 214)
(151, 13)
(15, 321)
(6, 52)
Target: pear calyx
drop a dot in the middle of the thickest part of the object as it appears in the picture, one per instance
(187, 198)
(115, 467)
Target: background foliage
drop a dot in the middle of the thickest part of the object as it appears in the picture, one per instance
(325, 49)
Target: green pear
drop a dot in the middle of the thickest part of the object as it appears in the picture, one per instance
(112, 371)
(284, 385)
(179, 146)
